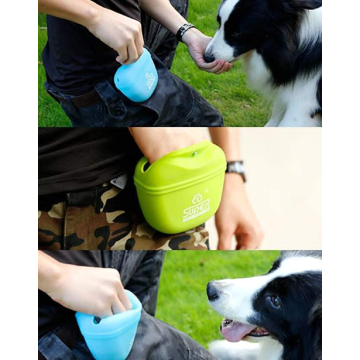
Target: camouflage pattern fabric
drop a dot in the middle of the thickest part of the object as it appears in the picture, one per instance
(106, 218)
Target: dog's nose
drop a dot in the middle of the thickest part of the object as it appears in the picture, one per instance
(212, 291)
(209, 58)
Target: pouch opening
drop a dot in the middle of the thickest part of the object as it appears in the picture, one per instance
(146, 166)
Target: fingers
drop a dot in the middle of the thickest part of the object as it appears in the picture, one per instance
(123, 55)
(225, 68)
(139, 43)
(216, 67)
(133, 48)
(133, 54)
(225, 240)
(117, 307)
(249, 241)
(124, 299)
(104, 313)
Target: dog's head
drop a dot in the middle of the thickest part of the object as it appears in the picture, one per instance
(284, 304)
(245, 25)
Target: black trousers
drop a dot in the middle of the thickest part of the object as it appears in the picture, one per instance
(155, 340)
(174, 103)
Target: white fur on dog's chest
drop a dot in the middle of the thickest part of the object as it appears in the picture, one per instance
(293, 103)
(271, 350)
(266, 349)
(258, 76)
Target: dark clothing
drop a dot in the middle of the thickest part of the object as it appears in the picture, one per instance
(74, 59)
(154, 340)
(75, 159)
(174, 103)
(140, 273)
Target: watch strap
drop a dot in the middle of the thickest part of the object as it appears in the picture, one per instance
(183, 30)
(236, 167)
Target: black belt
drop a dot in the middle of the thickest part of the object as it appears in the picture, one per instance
(89, 99)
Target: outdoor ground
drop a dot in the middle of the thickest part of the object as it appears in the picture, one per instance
(182, 296)
(228, 92)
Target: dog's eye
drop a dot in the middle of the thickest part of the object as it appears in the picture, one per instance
(275, 300)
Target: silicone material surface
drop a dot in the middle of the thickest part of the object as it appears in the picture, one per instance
(183, 189)
(138, 80)
(112, 338)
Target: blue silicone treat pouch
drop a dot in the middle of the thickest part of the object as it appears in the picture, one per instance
(138, 80)
(112, 337)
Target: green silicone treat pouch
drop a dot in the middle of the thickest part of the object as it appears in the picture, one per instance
(182, 189)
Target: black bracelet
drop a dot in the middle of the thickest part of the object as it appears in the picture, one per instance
(183, 30)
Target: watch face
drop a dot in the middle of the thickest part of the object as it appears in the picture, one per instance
(239, 167)
(236, 167)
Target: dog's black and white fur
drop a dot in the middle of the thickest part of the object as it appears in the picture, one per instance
(279, 314)
(281, 44)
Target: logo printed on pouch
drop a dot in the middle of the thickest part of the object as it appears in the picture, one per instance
(150, 80)
(199, 208)
(197, 198)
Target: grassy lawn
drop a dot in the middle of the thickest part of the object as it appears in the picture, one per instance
(182, 297)
(228, 92)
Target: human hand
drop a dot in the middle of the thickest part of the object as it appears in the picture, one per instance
(157, 142)
(236, 217)
(89, 290)
(121, 33)
(197, 43)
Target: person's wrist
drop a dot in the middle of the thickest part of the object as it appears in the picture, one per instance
(235, 179)
(191, 36)
(53, 278)
(93, 16)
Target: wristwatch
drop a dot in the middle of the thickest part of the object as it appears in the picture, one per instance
(180, 33)
(236, 167)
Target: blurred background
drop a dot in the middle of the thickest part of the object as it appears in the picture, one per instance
(284, 180)
(182, 295)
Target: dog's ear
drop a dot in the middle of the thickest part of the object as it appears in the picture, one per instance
(296, 5)
(303, 4)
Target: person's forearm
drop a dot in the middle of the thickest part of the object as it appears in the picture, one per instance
(229, 140)
(48, 272)
(82, 12)
(164, 13)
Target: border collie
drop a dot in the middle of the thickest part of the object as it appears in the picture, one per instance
(281, 44)
(279, 313)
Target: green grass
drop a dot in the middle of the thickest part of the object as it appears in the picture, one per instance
(50, 112)
(182, 296)
(228, 92)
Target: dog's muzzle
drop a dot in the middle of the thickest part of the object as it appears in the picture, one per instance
(213, 292)
(208, 57)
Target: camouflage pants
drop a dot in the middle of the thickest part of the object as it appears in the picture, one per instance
(105, 218)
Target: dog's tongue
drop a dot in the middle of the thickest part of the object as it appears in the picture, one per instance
(235, 331)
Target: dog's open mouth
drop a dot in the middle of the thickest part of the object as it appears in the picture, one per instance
(234, 331)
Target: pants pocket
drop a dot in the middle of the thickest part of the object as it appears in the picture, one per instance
(114, 106)
(52, 348)
(194, 356)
